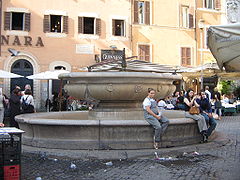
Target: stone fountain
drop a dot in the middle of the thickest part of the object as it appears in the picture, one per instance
(117, 122)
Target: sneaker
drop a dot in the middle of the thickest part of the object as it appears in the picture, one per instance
(205, 137)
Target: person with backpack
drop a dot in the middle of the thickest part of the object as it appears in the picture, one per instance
(27, 102)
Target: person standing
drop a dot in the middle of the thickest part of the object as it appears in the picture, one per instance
(27, 102)
(14, 107)
(209, 95)
(217, 103)
(153, 116)
(190, 100)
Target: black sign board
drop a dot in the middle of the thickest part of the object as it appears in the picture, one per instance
(112, 55)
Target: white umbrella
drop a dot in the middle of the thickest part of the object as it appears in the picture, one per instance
(47, 75)
(6, 74)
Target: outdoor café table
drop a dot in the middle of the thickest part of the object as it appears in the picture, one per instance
(238, 106)
(229, 108)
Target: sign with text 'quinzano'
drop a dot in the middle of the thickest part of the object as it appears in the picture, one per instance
(111, 55)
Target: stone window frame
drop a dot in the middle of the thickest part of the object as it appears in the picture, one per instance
(190, 17)
(97, 32)
(126, 28)
(150, 49)
(191, 56)
(26, 29)
(147, 12)
(64, 26)
(216, 5)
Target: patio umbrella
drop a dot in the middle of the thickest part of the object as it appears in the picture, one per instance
(6, 74)
(47, 75)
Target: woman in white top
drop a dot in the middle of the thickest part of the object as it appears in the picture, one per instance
(27, 102)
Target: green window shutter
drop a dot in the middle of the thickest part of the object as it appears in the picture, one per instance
(135, 11)
(80, 25)
(98, 26)
(65, 24)
(7, 20)
(147, 12)
(46, 23)
(27, 25)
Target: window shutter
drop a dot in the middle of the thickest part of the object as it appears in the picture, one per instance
(190, 21)
(113, 27)
(191, 17)
(27, 21)
(147, 12)
(140, 52)
(218, 5)
(183, 56)
(46, 23)
(7, 20)
(98, 26)
(80, 25)
(188, 53)
(147, 53)
(135, 19)
(65, 24)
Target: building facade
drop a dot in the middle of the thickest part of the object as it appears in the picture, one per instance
(175, 32)
(59, 34)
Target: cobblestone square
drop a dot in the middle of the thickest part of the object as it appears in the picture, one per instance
(216, 160)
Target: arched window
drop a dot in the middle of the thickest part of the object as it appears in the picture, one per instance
(24, 68)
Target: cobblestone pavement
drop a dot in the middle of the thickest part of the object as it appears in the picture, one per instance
(213, 162)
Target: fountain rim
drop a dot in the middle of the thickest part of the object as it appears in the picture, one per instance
(115, 74)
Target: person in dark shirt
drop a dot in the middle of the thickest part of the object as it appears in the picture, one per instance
(14, 107)
(180, 101)
(206, 111)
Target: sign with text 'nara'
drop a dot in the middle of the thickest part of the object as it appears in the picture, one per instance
(21, 41)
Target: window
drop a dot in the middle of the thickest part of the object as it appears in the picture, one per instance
(205, 38)
(118, 27)
(55, 23)
(18, 21)
(89, 25)
(212, 4)
(187, 20)
(185, 56)
(185, 17)
(142, 12)
(144, 52)
(209, 4)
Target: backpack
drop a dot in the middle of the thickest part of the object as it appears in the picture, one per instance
(25, 105)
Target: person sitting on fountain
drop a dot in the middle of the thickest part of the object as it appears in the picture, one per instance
(206, 112)
(189, 101)
(153, 116)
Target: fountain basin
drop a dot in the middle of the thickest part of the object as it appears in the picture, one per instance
(74, 130)
(118, 89)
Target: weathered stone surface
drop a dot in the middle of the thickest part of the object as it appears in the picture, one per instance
(59, 130)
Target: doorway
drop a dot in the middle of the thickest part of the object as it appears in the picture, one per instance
(24, 68)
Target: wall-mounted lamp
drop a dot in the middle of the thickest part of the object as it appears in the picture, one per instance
(14, 52)
(201, 23)
(113, 47)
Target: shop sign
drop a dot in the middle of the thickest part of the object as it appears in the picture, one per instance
(21, 41)
(112, 55)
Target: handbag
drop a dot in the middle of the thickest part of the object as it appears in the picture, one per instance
(194, 110)
(218, 104)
